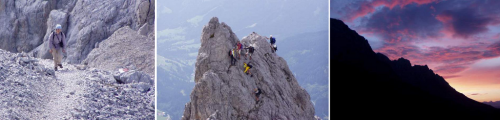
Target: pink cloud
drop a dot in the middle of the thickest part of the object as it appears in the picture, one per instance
(368, 7)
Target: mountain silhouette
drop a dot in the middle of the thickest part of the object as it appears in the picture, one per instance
(370, 85)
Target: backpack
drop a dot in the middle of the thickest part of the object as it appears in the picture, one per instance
(54, 34)
(231, 53)
(251, 49)
(273, 40)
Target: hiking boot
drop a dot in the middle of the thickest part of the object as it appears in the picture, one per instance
(55, 68)
(60, 65)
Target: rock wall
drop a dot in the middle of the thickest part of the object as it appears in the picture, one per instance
(126, 48)
(28, 23)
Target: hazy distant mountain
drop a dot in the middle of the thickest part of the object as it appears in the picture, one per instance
(495, 104)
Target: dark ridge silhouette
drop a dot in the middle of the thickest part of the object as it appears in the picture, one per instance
(370, 85)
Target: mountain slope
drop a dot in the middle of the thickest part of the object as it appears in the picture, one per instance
(225, 92)
(380, 88)
(125, 48)
(307, 56)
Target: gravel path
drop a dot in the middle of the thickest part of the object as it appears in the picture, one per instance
(66, 92)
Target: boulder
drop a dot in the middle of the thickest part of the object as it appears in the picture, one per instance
(133, 77)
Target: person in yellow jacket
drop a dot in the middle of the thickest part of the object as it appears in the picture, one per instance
(232, 54)
(247, 68)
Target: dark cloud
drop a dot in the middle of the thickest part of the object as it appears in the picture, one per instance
(401, 24)
(466, 22)
(400, 21)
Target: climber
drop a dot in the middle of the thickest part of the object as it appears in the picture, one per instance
(232, 55)
(247, 68)
(272, 40)
(238, 48)
(250, 51)
(257, 92)
(57, 43)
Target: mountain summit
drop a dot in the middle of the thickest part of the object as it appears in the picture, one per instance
(381, 88)
(225, 92)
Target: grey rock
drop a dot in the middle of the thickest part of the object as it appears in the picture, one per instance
(146, 29)
(50, 71)
(96, 45)
(124, 48)
(23, 24)
(29, 23)
(133, 76)
(95, 24)
(144, 87)
(213, 116)
(227, 92)
(81, 67)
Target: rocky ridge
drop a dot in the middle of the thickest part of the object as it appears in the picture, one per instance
(225, 92)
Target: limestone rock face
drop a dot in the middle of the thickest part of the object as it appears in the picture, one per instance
(28, 23)
(126, 48)
(225, 92)
(23, 24)
(92, 22)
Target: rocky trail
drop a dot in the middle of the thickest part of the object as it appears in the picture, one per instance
(65, 93)
(31, 89)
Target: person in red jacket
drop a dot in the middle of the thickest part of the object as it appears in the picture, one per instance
(239, 46)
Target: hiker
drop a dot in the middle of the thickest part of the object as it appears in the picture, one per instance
(250, 51)
(238, 48)
(57, 43)
(247, 68)
(272, 40)
(232, 55)
(257, 92)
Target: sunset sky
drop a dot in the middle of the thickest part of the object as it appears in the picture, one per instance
(457, 39)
